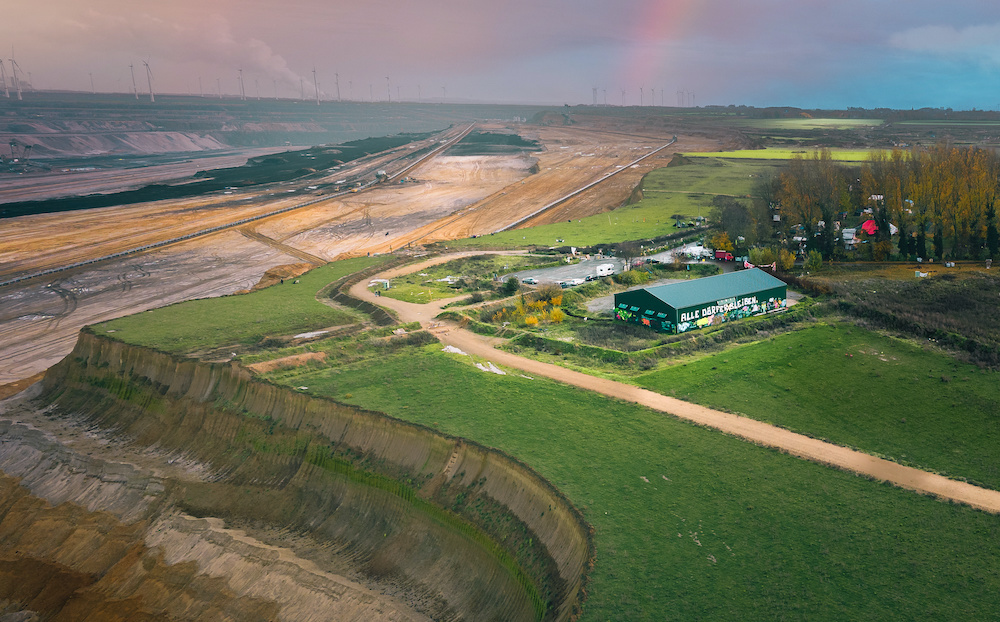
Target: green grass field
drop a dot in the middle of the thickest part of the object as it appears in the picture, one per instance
(840, 155)
(687, 190)
(856, 388)
(805, 123)
(428, 284)
(692, 524)
(242, 319)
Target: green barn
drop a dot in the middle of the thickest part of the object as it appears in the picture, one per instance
(681, 307)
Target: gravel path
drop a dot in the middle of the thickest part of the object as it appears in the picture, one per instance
(743, 427)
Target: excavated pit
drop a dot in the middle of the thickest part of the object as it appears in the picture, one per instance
(156, 487)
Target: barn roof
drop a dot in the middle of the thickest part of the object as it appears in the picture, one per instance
(711, 288)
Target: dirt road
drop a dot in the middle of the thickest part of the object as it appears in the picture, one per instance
(743, 427)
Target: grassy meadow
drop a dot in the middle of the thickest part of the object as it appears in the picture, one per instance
(805, 123)
(687, 190)
(857, 388)
(240, 319)
(465, 274)
(779, 153)
(692, 524)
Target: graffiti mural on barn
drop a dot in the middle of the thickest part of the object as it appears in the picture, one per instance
(646, 319)
(726, 311)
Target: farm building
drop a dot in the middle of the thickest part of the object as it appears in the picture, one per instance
(681, 307)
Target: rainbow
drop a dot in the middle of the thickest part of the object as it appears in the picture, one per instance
(645, 59)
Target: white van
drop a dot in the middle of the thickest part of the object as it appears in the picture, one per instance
(606, 269)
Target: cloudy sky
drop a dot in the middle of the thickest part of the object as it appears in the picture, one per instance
(808, 53)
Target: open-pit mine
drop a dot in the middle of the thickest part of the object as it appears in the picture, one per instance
(142, 485)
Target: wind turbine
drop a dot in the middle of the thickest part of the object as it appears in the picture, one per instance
(652, 101)
(149, 80)
(93, 91)
(641, 96)
(134, 88)
(3, 76)
(243, 93)
(623, 98)
(336, 81)
(388, 91)
(256, 84)
(316, 85)
(13, 70)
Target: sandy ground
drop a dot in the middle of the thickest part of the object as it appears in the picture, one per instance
(743, 427)
(455, 196)
(39, 320)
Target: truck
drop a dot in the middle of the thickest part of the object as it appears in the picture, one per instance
(606, 269)
(724, 255)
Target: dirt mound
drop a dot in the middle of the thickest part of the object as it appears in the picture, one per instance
(278, 273)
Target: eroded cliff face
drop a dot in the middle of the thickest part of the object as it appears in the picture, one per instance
(163, 488)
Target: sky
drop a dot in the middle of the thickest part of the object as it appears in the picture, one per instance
(804, 53)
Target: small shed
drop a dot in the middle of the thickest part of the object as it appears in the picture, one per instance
(680, 307)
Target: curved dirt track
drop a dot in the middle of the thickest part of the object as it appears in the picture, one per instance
(750, 429)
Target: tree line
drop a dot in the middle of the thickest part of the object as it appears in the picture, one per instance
(942, 201)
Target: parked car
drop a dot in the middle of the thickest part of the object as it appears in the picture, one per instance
(530, 281)
(571, 283)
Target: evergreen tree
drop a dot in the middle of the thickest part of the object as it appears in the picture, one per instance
(992, 235)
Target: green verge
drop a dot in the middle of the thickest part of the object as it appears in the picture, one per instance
(692, 524)
(240, 319)
(856, 388)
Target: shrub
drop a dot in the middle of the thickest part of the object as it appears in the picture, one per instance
(631, 277)
(786, 260)
(531, 320)
(557, 315)
(511, 286)
(762, 256)
(814, 261)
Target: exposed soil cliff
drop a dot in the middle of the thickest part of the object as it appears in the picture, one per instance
(329, 497)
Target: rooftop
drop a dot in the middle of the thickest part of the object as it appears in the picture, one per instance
(712, 288)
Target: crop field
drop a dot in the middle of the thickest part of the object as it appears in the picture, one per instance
(770, 153)
(710, 177)
(805, 123)
(692, 524)
(452, 278)
(686, 190)
(241, 319)
(856, 388)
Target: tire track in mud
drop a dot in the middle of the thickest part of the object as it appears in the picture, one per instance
(69, 300)
(251, 233)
